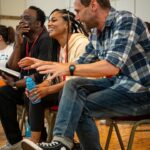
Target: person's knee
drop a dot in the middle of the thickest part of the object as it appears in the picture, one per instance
(76, 82)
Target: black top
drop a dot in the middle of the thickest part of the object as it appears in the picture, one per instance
(42, 49)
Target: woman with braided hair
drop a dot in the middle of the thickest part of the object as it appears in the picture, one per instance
(72, 39)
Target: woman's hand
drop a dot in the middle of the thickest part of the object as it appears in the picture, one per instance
(41, 63)
(38, 92)
(26, 62)
(45, 83)
(26, 92)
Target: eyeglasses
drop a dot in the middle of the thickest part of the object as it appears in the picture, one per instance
(27, 18)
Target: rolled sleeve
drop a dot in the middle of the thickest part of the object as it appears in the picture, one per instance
(123, 42)
(115, 59)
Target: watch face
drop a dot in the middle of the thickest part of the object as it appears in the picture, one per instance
(71, 69)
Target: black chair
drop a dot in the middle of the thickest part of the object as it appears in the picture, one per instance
(136, 120)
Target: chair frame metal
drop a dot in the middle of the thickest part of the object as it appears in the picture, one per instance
(136, 124)
(50, 116)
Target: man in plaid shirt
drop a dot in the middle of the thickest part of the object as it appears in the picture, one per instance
(119, 49)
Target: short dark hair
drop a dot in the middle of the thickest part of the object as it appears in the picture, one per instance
(40, 14)
(103, 3)
(7, 33)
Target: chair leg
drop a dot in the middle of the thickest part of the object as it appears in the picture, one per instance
(114, 124)
(22, 119)
(119, 136)
(133, 130)
(109, 136)
(51, 117)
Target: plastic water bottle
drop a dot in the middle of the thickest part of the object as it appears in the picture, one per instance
(30, 84)
(27, 129)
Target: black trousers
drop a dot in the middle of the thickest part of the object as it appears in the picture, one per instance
(36, 111)
(9, 98)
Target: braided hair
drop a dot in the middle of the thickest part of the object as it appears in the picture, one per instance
(74, 26)
(69, 16)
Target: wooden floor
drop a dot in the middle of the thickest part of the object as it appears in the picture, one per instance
(141, 141)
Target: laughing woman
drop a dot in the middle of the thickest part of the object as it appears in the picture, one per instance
(72, 39)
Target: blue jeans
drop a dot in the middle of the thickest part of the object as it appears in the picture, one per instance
(83, 99)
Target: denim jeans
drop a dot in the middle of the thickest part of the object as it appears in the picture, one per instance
(83, 99)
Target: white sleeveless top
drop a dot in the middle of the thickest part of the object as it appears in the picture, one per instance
(5, 54)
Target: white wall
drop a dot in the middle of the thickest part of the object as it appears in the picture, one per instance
(16, 7)
(142, 9)
(48, 5)
(139, 7)
(123, 5)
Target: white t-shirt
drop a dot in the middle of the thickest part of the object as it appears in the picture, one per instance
(5, 54)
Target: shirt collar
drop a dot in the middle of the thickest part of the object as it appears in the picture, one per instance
(109, 20)
(110, 17)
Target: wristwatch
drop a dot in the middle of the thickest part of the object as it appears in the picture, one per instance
(72, 69)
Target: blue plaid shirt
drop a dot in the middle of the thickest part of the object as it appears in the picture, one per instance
(125, 43)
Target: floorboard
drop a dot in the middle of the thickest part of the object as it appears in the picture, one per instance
(141, 141)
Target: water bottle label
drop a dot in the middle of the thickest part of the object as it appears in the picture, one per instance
(30, 84)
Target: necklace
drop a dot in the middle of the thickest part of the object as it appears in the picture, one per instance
(27, 44)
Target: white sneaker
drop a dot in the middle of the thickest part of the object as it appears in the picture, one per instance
(8, 146)
(29, 145)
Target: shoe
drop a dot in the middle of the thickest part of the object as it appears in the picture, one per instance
(54, 145)
(8, 146)
(29, 145)
(77, 146)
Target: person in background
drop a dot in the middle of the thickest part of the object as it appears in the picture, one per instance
(69, 33)
(7, 36)
(120, 47)
(31, 39)
(148, 26)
